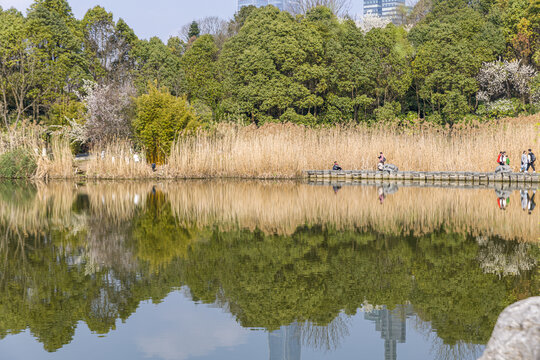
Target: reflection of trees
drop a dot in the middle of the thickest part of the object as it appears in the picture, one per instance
(95, 263)
(327, 337)
(506, 258)
(268, 281)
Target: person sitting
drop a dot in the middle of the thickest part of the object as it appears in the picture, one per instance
(382, 160)
(336, 167)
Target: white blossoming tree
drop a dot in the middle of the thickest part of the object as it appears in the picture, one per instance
(108, 110)
(505, 79)
(371, 21)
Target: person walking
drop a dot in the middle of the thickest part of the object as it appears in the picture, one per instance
(531, 161)
(524, 162)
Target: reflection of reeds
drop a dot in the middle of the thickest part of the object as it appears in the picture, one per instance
(279, 208)
(49, 206)
(282, 207)
(116, 201)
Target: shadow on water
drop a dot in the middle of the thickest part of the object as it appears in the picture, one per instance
(294, 259)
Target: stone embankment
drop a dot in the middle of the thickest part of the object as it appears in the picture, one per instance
(441, 177)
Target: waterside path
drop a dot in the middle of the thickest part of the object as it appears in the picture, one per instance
(479, 178)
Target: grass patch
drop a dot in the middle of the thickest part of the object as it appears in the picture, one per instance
(17, 164)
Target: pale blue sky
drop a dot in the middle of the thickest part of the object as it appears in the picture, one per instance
(156, 17)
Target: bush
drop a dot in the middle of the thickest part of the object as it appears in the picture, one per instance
(17, 164)
(160, 118)
(388, 111)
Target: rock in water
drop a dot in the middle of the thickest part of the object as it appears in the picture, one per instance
(517, 333)
(503, 169)
(391, 168)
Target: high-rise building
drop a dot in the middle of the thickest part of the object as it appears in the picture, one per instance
(386, 9)
(280, 4)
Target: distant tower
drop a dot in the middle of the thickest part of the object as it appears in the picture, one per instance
(280, 4)
(392, 325)
(386, 9)
(285, 343)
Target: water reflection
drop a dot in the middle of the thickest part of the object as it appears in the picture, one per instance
(293, 259)
(392, 326)
(284, 343)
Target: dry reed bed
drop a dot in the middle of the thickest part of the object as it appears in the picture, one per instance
(284, 150)
(280, 208)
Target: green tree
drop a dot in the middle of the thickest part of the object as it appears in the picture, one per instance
(272, 69)
(452, 43)
(194, 31)
(160, 117)
(55, 37)
(200, 67)
(156, 62)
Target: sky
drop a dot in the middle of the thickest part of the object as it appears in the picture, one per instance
(162, 18)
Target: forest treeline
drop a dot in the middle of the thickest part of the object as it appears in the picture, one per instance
(450, 61)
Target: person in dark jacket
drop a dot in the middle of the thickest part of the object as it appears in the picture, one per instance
(336, 167)
(532, 159)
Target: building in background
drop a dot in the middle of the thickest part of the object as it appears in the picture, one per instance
(386, 9)
(280, 4)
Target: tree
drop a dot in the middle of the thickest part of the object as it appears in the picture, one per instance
(272, 68)
(451, 43)
(18, 68)
(55, 37)
(201, 71)
(239, 19)
(109, 111)
(99, 41)
(338, 7)
(193, 30)
(160, 117)
(156, 62)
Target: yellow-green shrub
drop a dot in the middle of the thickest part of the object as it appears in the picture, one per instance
(159, 119)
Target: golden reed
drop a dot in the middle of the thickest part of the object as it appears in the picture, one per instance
(285, 150)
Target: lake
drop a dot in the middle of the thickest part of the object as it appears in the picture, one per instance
(260, 270)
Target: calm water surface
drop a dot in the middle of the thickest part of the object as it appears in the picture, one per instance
(260, 270)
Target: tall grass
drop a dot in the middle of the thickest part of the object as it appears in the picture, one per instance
(116, 161)
(283, 151)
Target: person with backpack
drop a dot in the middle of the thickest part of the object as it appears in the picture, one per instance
(532, 160)
(382, 160)
(524, 162)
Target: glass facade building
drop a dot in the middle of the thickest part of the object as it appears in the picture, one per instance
(387, 9)
(280, 4)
